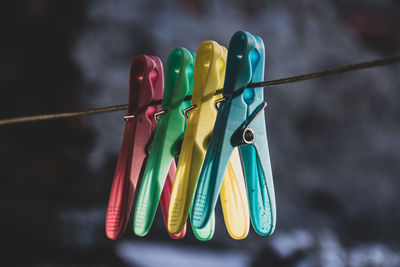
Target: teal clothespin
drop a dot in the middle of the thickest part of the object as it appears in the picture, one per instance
(240, 122)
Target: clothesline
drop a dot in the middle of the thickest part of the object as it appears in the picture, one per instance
(309, 76)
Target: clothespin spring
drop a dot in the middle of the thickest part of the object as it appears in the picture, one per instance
(216, 102)
(130, 116)
(157, 114)
(247, 135)
(186, 111)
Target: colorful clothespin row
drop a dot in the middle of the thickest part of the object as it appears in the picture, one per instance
(169, 133)
(240, 122)
(146, 87)
(209, 74)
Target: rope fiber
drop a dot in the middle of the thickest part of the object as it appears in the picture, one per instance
(309, 76)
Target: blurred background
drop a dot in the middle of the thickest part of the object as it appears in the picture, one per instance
(334, 142)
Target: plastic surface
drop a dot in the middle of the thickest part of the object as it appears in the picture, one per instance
(146, 85)
(234, 202)
(209, 73)
(165, 200)
(169, 133)
(245, 65)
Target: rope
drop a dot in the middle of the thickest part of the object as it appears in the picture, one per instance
(61, 115)
(328, 72)
(303, 77)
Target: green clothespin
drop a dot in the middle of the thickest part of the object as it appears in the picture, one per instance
(166, 143)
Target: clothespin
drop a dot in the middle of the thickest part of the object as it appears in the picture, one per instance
(168, 135)
(209, 74)
(240, 122)
(146, 86)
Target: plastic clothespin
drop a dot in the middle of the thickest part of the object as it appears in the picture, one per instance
(146, 86)
(240, 122)
(209, 74)
(169, 133)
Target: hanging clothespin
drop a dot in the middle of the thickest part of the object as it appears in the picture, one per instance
(240, 122)
(146, 87)
(209, 74)
(168, 135)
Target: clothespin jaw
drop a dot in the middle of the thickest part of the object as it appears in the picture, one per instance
(169, 133)
(146, 84)
(240, 122)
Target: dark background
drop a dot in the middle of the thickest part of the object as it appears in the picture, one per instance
(334, 142)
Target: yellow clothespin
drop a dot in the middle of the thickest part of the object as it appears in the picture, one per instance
(209, 74)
